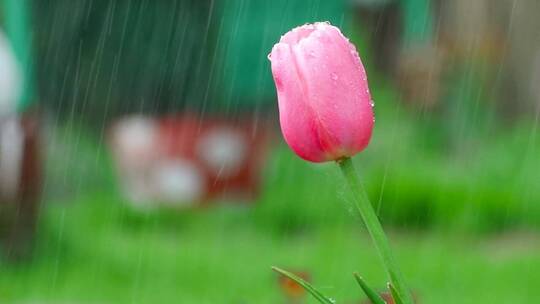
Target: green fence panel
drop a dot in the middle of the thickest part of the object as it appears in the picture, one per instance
(17, 25)
(246, 32)
(418, 22)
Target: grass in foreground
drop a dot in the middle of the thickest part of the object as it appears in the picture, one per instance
(99, 252)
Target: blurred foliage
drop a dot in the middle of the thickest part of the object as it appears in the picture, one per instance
(417, 175)
(422, 174)
(98, 250)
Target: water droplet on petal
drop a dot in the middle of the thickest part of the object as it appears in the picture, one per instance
(334, 76)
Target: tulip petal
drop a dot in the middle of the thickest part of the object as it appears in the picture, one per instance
(338, 89)
(295, 35)
(295, 115)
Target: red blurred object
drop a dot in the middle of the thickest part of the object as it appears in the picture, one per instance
(20, 182)
(290, 288)
(182, 160)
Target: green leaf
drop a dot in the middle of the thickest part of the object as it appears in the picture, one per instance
(308, 287)
(395, 294)
(374, 297)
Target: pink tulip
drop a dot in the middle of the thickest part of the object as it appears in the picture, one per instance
(325, 107)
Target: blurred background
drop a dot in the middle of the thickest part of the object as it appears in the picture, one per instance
(141, 159)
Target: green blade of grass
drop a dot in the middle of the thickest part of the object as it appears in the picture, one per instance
(395, 295)
(374, 297)
(307, 286)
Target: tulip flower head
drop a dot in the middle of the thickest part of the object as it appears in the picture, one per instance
(325, 107)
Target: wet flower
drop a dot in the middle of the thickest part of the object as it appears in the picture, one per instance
(325, 106)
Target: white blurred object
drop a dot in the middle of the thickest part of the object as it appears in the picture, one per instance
(11, 152)
(183, 162)
(178, 182)
(223, 151)
(10, 78)
(134, 140)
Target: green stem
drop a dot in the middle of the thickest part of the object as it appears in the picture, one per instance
(375, 229)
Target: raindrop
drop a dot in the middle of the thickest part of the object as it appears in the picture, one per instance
(334, 76)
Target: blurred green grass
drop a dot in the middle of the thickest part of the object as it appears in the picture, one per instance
(463, 209)
(99, 251)
(442, 208)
